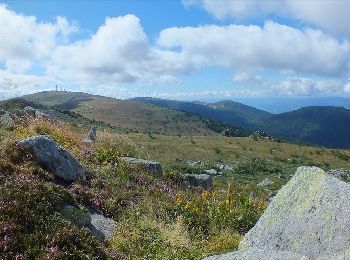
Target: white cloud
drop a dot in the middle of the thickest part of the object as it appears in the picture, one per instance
(118, 52)
(328, 14)
(273, 46)
(14, 84)
(24, 40)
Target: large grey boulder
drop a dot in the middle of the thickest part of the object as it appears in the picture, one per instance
(90, 137)
(198, 180)
(54, 158)
(309, 217)
(151, 167)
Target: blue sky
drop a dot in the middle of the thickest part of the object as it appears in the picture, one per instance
(189, 49)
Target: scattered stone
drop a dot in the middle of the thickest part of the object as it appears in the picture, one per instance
(261, 135)
(213, 172)
(265, 182)
(198, 180)
(307, 219)
(194, 163)
(224, 166)
(154, 168)
(91, 136)
(101, 227)
(54, 158)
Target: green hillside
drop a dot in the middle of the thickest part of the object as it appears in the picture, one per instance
(133, 116)
(226, 111)
(318, 125)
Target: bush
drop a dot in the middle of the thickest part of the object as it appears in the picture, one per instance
(209, 212)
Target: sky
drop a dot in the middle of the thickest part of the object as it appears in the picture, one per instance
(186, 50)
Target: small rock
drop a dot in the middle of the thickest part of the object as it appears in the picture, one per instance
(91, 136)
(101, 227)
(265, 182)
(194, 163)
(154, 168)
(212, 172)
(54, 158)
(198, 180)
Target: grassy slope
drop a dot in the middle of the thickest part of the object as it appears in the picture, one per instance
(134, 116)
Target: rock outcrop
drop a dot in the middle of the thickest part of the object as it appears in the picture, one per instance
(100, 226)
(151, 167)
(91, 136)
(309, 218)
(7, 120)
(198, 180)
(54, 158)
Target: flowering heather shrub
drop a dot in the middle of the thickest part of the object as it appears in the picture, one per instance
(30, 225)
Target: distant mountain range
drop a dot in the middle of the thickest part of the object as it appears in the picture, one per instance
(320, 125)
(286, 104)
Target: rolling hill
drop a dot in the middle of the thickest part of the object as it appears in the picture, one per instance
(318, 125)
(226, 111)
(131, 115)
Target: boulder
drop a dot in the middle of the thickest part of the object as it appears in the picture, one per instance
(151, 167)
(265, 182)
(54, 158)
(91, 136)
(7, 121)
(101, 227)
(2, 112)
(30, 111)
(309, 218)
(198, 180)
(78, 216)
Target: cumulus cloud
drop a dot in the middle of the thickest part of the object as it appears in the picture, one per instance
(14, 84)
(24, 40)
(328, 14)
(119, 52)
(273, 46)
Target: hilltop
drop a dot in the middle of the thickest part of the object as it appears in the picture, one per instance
(133, 116)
